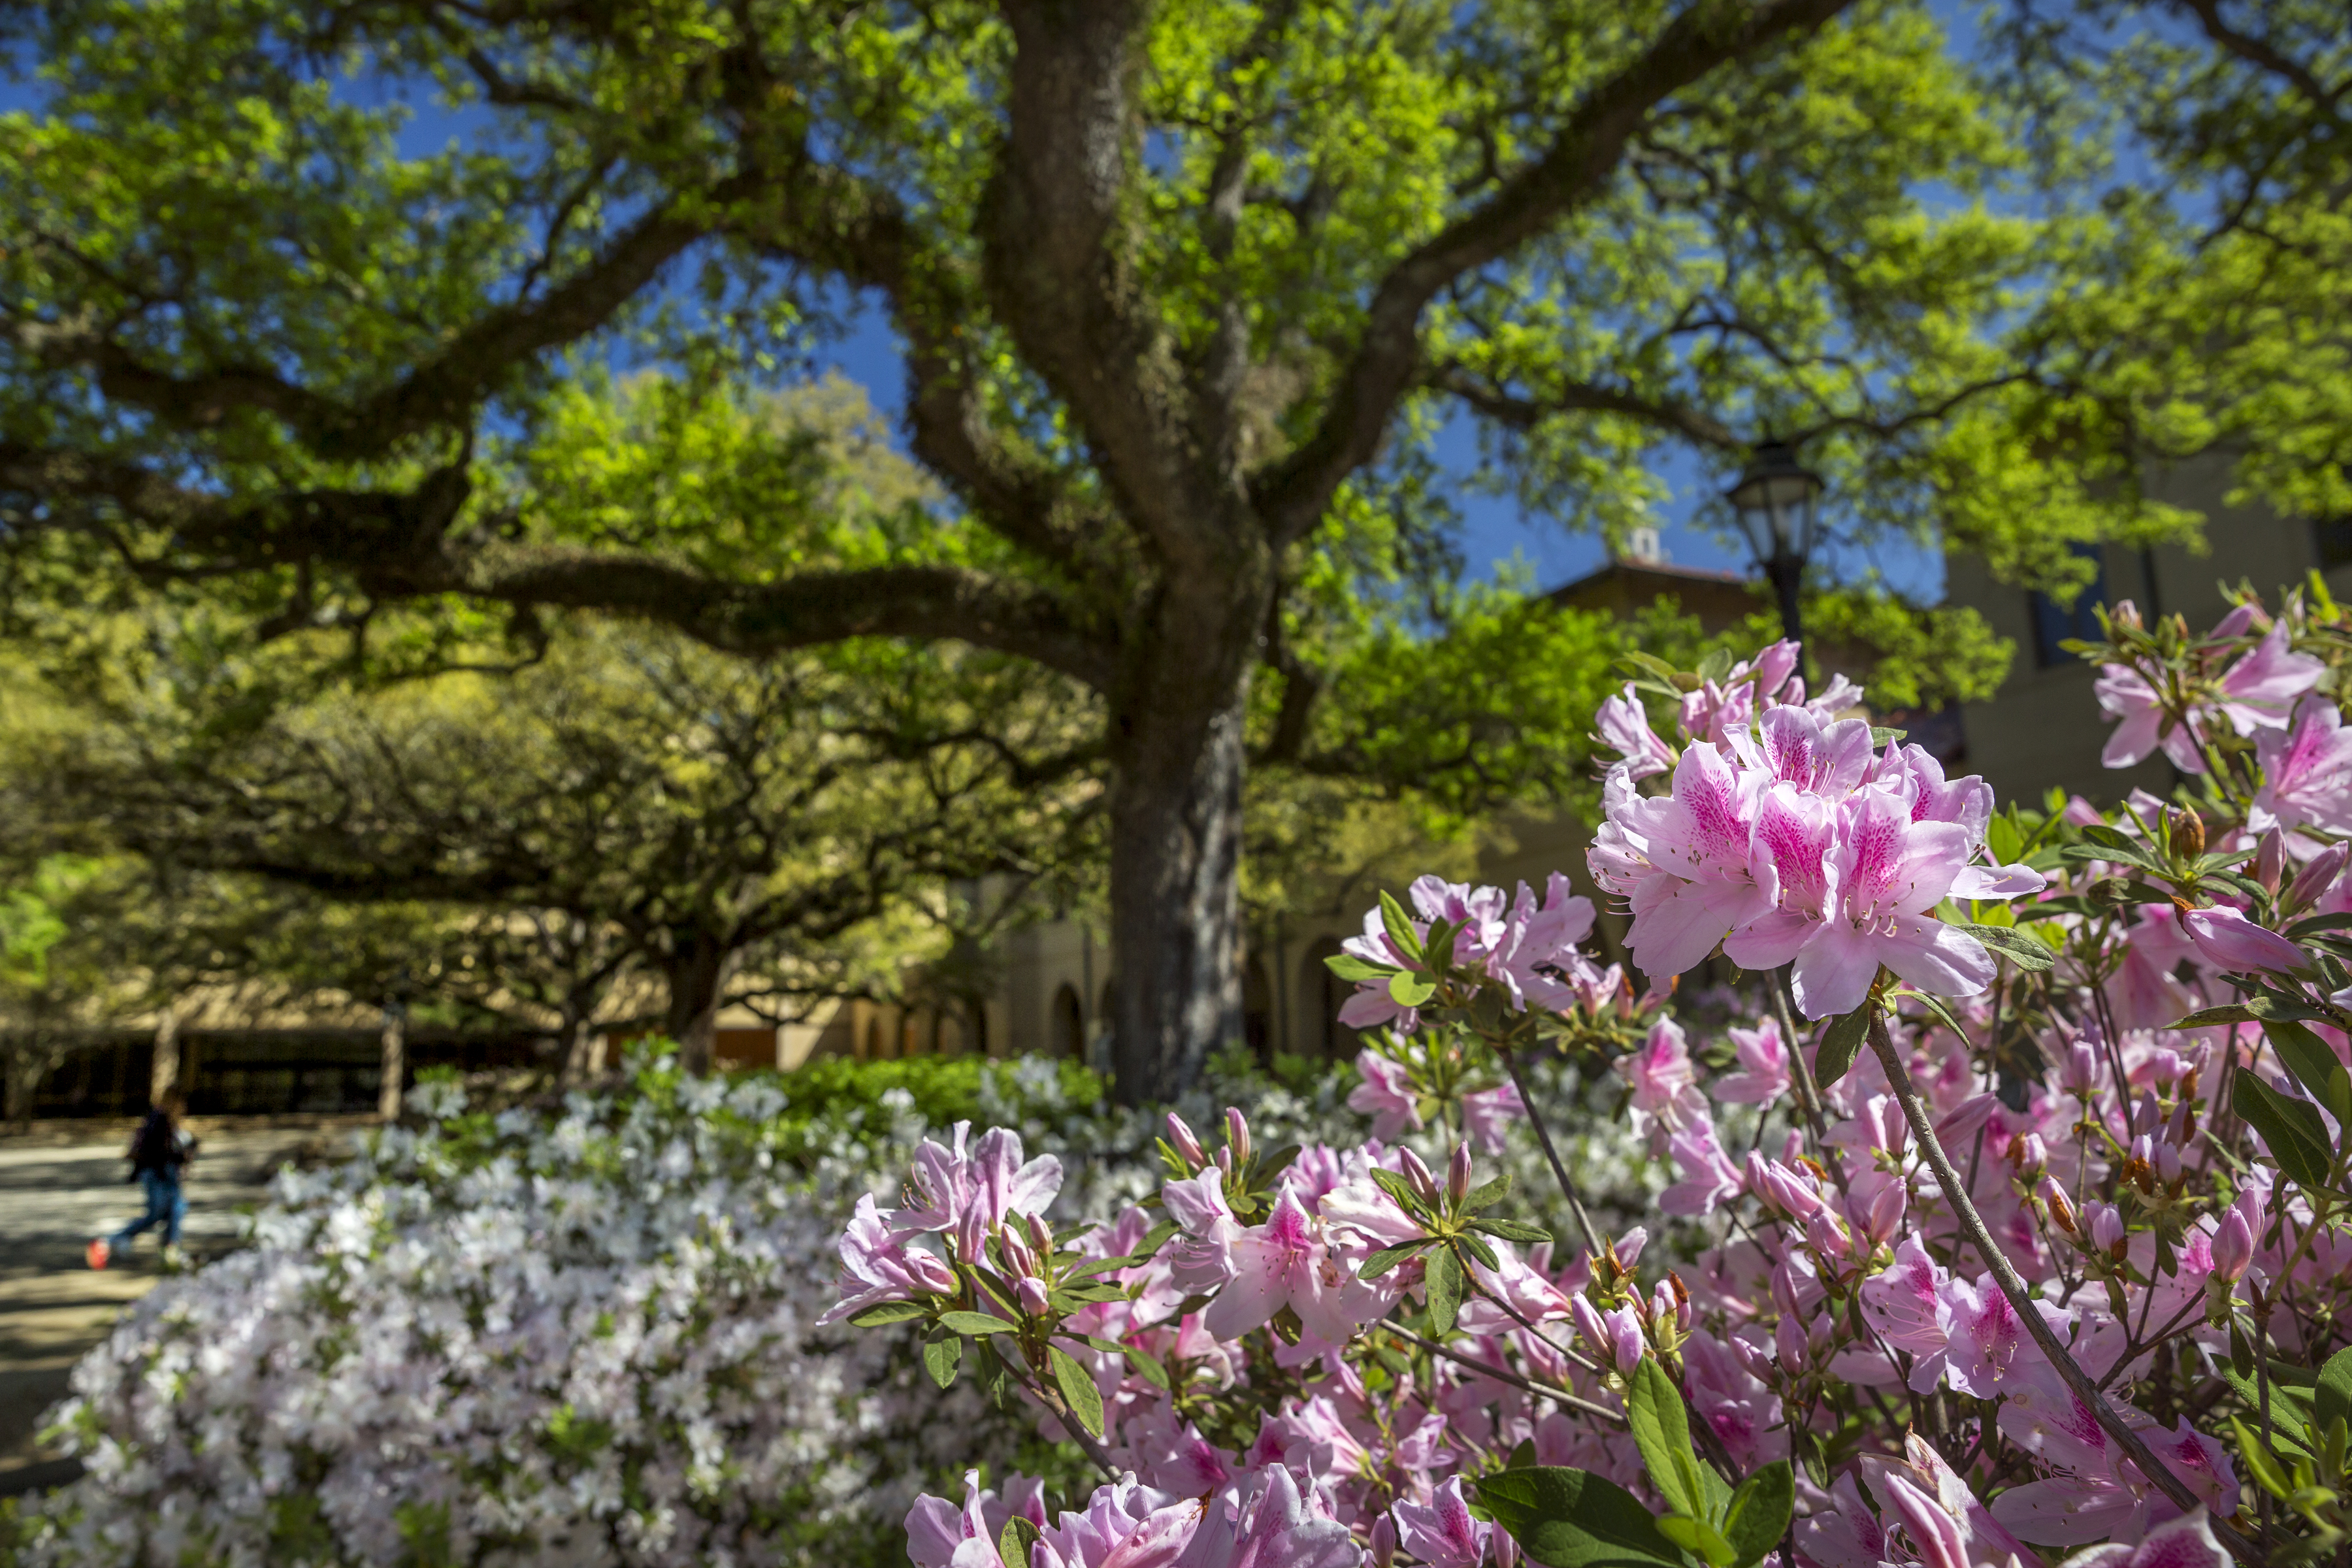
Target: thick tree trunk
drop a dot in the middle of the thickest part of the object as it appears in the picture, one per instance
(164, 1074)
(698, 981)
(1175, 864)
(577, 1039)
(394, 1044)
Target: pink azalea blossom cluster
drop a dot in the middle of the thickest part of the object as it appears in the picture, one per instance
(1792, 840)
(2032, 1246)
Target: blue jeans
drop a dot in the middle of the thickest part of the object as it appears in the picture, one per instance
(165, 1206)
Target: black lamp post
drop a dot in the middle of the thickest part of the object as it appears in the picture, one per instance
(1777, 501)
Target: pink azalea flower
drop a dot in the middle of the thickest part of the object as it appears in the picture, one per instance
(1663, 1082)
(1881, 881)
(2184, 1542)
(2126, 696)
(1709, 1178)
(1764, 1071)
(941, 1535)
(990, 1181)
(877, 1265)
(2260, 690)
(1284, 1263)
(1442, 1535)
(2305, 770)
(1173, 1455)
(1385, 1095)
(2228, 940)
(1124, 1526)
(1261, 1521)
(1697, 842)
(1487, 1115)
(1936, 1484)
(1623, 727)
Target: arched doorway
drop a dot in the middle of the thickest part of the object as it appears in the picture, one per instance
(1257, 1011)
(1069, 1025)
(1322, 994)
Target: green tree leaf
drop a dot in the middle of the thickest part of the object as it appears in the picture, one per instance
(1077, 1387)
(1661, 1427)
(1442, 1278)
(1758, 1518)
(2290, 1129)
(1840, 1043)
(1572, 1519)
(940, 1359)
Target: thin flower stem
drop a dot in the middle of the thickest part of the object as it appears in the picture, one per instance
(1906, 1094)
(1801, 1073)
(1566, 1353)
(1543, 1387)
(1543, 1136)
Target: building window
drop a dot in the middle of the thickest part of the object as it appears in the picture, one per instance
(2054, 624)
(2331, 539)
(1069, 1025)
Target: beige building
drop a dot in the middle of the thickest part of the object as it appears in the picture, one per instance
(2043, 729)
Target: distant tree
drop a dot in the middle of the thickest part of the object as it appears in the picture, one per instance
(629, 798)
(56, 966)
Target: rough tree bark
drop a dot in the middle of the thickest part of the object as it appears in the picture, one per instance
(697, 972)
(394, 1042)
(1178, 760)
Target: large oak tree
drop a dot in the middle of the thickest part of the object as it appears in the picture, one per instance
(1182, 291)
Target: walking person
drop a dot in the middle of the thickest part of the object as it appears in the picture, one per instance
(160, 1153)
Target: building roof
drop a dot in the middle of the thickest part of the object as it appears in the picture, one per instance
(1717, 598)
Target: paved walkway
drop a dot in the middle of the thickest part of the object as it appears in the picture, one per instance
(62, 1183)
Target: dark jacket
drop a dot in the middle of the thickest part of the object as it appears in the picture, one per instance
(159, 1146)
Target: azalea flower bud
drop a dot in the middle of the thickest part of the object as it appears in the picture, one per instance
(2107, 1229)
(1032, 1291)
(1788, 1344)
(1238, 1136)
(1589, 1326)
(1883, 1215)
(1041, 1235)
(2166, 1157)
(1384, 1541)
(1784, 1290)
(2229, 942)
(2061, 1213)
(2125, 613)
(2318, 875)
(1417, 1176)
(2188, 835)
(2233, 1248)
(1627, 1249)
(930, 1272)
(2029, 1155)
(1828, 1237)
(1662, 1306)
(1507, 1550)
(1187, 1146)
(1225, 1161)
(2079, 1076)
(1788, 1190)
(1457, 1174)
(1627, 1343)
(1017, 1256)
(2270, 860)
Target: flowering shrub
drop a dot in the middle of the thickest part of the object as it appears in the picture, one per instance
(591, 1337)
(2016, 1202)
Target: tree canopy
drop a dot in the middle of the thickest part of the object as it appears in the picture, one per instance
(1184, 292)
